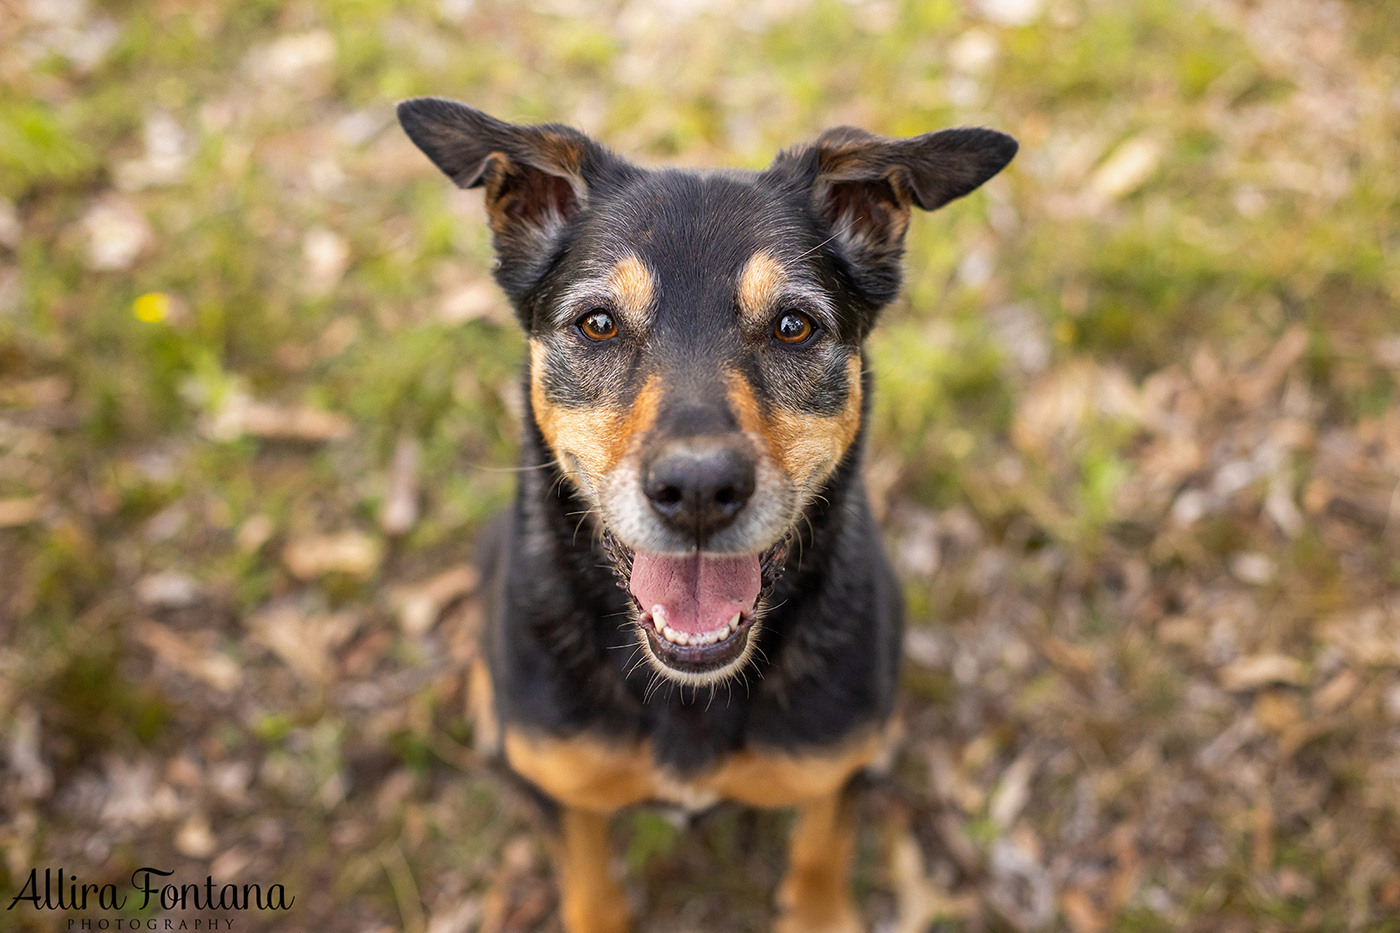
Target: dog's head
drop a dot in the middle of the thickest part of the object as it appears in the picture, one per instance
(696, 339)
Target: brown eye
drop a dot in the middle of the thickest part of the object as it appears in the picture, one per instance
(598, 325)
(793, 327)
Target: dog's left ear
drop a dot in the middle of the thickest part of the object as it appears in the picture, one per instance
(537, 178)
(862, 187)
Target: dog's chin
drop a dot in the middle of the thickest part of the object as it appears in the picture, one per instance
(698, 665)
(697, 615)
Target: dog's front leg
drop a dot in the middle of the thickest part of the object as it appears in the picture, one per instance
(591, 900)
(815, 896)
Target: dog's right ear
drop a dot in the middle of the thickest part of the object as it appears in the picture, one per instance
(536, 177)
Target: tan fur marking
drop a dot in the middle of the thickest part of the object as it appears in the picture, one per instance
(592, 775)
(591, 900)
(774, 779)
(598, 437)
(632, 288)
(582, 772)
(481, 707)
(592, 779)
(759, 285)
(807, 447)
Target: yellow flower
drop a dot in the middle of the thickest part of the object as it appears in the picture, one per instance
(152, 307)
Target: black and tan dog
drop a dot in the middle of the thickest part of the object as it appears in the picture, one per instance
(689, 602)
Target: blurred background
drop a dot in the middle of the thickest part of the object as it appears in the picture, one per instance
(1135, 449)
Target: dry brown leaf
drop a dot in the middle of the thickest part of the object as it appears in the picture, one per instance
(421, 605)
(1013, 791)
(294, 423)
(305, 642)
(1268, 375)
(167, 590)
(1064, 655)
(1260, 670)
(400, 510)
(217, 670)
(1277, 710)
(254, 533)
(1332, 695)
(350, 552)
(26, 757)
(195, 839)
(919, 900)
(1127, 168)
(1080, 911)
(16, 512)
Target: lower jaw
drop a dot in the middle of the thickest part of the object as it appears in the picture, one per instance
(699, 664)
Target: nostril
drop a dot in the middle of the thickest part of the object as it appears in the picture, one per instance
(699, 485)
(732, 496)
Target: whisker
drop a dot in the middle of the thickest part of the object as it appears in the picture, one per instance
(824, 242)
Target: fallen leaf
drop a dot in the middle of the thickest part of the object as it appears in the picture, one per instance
(351, 552)
(1277, 710)
(421, 605)
(400, 510)
(1127, 168)
(214, 668)
(116, 233)
(1253, 568)
(325, 257)
(195, 839)
(1332, 695)
(305, 642)
(26, 755)
(254, 533)
(16, 512)
(920, 901)
(295, 423)
(168, 590)
(1013, 791)
(1260, 670)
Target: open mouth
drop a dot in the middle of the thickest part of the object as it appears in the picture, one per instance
(698, 612)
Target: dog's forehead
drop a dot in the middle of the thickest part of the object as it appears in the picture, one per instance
(696, 233)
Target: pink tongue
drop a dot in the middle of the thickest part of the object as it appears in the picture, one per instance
(698, 592)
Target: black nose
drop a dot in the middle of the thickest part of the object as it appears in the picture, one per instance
(699, 485)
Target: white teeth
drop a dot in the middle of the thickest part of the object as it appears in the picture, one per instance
(677, 637)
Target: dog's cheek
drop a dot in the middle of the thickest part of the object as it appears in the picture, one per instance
(806, 445)
(587, 428)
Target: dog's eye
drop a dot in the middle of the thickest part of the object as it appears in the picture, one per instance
(794, 327)
(598, 325)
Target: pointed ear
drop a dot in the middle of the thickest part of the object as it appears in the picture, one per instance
(862, 187)
(536, 177)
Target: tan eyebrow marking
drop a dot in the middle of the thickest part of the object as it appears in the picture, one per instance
(759, 286)
(630, 284)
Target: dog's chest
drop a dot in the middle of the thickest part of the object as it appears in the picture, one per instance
(592, 774)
